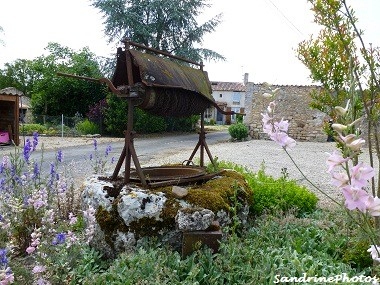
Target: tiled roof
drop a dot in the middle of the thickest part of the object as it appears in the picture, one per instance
(11, 91)
(227, 86)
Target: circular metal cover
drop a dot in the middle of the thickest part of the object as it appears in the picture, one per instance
(163, 173)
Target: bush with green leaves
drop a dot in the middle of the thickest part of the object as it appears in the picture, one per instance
(29, 129)
(275, 194)
(86, 127)
(238, 131)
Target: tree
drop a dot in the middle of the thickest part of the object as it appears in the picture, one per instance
(346, 71)
(168, 25)
(20, 75)
(55, 95)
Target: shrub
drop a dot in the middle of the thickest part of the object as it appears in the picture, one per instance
(238, 131)
(186, 124)
(212, 122)
(272, 195)
(146, 123)
(87, 127)
(29, 129)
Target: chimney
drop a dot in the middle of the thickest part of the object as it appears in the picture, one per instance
(245, 78)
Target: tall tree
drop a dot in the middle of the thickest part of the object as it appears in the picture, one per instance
(168, 25)
(20, 75)
(55, 95)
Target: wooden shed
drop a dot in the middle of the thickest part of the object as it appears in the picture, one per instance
(9, 115)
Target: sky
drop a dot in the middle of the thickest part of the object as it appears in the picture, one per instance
(258, 37)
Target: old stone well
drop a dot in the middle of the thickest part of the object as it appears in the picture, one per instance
(179, 204)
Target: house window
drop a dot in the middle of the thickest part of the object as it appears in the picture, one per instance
(236, 98)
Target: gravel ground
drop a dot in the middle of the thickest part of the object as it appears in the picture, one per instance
(310, 157)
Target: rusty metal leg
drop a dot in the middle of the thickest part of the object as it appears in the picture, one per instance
(193, 153)
(119, 164)
(201, 144)
(137, 163)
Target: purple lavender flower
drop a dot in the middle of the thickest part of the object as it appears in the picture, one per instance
(35, 140)
(3, 257)
(5, 164)
(108, 150)
(90, 156)
(36, 170)
(2, 184)
(59, 239)
(95, 145)
(52, 169)
(27, 150)
(113, 160)
(60, 156)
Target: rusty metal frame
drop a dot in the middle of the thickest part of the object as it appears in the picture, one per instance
(132, 95)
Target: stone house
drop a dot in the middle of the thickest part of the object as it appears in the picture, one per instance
(292, 104)
(230, 96)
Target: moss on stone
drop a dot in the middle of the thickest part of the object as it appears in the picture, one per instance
(109, 222)
(216, 194)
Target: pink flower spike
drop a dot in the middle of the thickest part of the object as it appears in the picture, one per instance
(335, 159)
(282, 125)
(348, 139)
(339, 179)
(356, 145)
(373, 206)
(289, 143)
(360, 174)
(38, 269)
(266, 118)
(355, 198)
(374, 250)
(30, 249)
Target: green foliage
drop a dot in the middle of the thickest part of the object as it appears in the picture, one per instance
(239, 118)
(257, 257)
(116, 118)
(271, 195)
(186, 124)
(19, 74)
(55, 95)
(212, 122)
(116, 115)
(86, 127)
(169, 25)
(90, 262)
(29, 129)
(356, 254)
(238, 131)
(146, 123)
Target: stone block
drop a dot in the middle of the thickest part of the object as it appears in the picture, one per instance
(192, 241)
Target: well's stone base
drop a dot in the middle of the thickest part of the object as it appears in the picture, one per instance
(123, 220)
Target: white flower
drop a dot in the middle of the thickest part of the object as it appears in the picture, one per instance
(342, 111)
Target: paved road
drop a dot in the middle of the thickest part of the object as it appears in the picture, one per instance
(147, 148)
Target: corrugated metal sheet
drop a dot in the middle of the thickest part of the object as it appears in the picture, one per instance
(160, 72)
(11, 91)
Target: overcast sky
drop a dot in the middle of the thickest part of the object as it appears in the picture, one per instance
(258, 37)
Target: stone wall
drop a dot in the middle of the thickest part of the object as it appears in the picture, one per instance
(292, 104)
